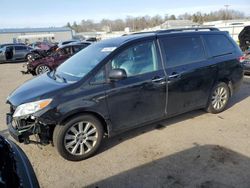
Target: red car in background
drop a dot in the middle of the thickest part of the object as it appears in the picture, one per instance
(41, 45)
(52, 61)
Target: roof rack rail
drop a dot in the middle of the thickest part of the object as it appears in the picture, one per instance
(188, 29)
(142, 32)
(176, 30)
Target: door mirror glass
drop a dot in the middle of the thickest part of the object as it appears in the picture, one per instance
(117, 74)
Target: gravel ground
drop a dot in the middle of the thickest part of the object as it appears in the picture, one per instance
(192, 150)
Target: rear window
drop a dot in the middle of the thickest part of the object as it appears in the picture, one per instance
(183, 50)
(218, 45)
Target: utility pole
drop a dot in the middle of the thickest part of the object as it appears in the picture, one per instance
(226, 16)
(226, 11)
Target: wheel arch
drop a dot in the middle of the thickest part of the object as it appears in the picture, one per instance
(229, 84)
(105, 124)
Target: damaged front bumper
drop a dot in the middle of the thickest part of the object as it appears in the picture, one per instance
(22, 128)
(28, 69)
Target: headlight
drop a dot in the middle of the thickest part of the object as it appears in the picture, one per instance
(32, 107)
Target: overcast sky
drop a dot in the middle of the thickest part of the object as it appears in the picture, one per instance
(45, 13)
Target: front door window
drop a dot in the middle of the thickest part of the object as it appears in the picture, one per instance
(137, 60)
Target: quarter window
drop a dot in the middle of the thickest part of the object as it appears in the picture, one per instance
(218, 45)
(182, 50)
(99, 78)
(136, 60)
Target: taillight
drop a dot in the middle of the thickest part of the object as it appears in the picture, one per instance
(241, 59)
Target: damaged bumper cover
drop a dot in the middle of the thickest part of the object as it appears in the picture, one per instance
(23, 127)
(18, 132)
(28, 68)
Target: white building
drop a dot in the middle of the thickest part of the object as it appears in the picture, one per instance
(234, 27)
(29, 35)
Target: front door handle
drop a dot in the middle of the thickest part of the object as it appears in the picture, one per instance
(158, 79)
(173, 76)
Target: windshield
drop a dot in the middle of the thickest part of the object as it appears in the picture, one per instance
(84, 61)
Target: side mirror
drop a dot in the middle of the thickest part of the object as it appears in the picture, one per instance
(117, 74)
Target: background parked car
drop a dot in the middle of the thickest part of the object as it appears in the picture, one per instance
(246, 63)
(52, 61)
(44, 51)
(9, 44)
(244, 38)
(41, 45)
(67, 42)
(14, 52)
(15, 168)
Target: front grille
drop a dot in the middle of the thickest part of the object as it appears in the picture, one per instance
(20, 124)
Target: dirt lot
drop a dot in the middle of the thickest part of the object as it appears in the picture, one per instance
(192, 150)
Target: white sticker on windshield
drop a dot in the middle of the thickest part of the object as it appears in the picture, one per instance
(108, 49)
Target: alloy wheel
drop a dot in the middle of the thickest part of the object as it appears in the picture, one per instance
(43, 69)
(80, 138)
(219, 98)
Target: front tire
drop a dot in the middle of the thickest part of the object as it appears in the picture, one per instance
(29, 57)
(79, 138)
(219, 98)
(40, 69)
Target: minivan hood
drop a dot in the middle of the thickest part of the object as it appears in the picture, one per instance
(34, 89)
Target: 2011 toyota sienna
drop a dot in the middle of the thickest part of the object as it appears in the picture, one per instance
(122, 83)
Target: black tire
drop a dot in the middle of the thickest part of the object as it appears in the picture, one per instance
(217, 104)
(40, 69)
(28, 57)
(62, 131)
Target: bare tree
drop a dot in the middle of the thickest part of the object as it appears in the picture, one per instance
(143, 22)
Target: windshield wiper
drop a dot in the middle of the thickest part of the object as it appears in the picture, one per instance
(55, 76)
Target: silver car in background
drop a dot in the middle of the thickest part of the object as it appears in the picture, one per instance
(12, 53)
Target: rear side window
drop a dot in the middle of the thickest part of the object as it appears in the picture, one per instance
(20, 48)
(218, 45)
(182, 50)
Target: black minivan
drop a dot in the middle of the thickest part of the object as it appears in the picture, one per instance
(122, 83)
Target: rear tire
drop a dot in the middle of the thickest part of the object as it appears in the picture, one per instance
(79, 138)
(40, 69)
(219, 98)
